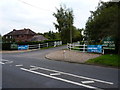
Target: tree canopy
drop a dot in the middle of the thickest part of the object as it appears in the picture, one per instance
(64, 25)
(103, 22)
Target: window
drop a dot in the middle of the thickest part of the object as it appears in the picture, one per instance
(6, 37)
(10, 36)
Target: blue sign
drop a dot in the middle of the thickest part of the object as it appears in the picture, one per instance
(94, 48)
(22, 47)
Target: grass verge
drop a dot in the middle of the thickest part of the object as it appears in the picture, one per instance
(107, 60)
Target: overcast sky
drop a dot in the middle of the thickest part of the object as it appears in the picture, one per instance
(37, 14)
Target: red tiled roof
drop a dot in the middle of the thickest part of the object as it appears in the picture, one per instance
(21, 32)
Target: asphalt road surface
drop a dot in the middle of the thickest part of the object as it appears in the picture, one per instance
(33, 70)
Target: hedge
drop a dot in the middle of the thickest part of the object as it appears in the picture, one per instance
(7, 46)
(36, 42)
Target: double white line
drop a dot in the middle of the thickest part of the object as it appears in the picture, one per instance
(2, 63)
(65, 80)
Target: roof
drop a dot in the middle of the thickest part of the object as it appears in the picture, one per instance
(21, 32)
(38, 38)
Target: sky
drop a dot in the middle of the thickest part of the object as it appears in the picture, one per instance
(37, 15)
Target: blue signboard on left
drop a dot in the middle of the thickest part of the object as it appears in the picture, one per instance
(22, 47)
(94, 48)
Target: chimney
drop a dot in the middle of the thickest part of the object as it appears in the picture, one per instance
(14, 29)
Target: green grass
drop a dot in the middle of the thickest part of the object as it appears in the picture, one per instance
(107, 60)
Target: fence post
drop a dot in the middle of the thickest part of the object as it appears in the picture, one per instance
(61, 42)
(39, 46)
(103, 51)
(58, 43)
(67, 46)
(70, 46)
(55, 44)
(73, 45)
(47, 44)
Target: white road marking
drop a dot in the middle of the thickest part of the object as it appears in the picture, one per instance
(87, 82)
(19, 65)
(35, 68)
(2, 63)
(55, 74)
(61, 79)
(9, 62)
(6, 61)
(32, 66)
(75, 75)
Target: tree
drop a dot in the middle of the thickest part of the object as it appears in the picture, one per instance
(50, 35)
(64, 23)
(103, 22)
(77, 36)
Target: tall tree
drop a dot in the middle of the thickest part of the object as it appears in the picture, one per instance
(50, 35)
(64, 23)
(103, 22)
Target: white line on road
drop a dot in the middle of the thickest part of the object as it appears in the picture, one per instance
(54, 74)
(9, 62)
(61, 79)
(75, 75)
(2, 63)
(87, 82)
(19, 65)
(35, 68)
(32, 66)
(6, 61)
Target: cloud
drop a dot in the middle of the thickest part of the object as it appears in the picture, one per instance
(38, 14)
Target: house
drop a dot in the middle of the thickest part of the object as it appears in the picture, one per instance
(23, 35)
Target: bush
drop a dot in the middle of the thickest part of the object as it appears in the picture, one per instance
(7, 46)
(36, 42)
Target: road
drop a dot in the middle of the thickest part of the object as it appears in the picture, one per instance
(33, 70)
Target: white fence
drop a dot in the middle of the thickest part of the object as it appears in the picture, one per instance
(38, 46)
(81, 48)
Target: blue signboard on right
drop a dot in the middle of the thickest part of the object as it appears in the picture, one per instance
(94, 48)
